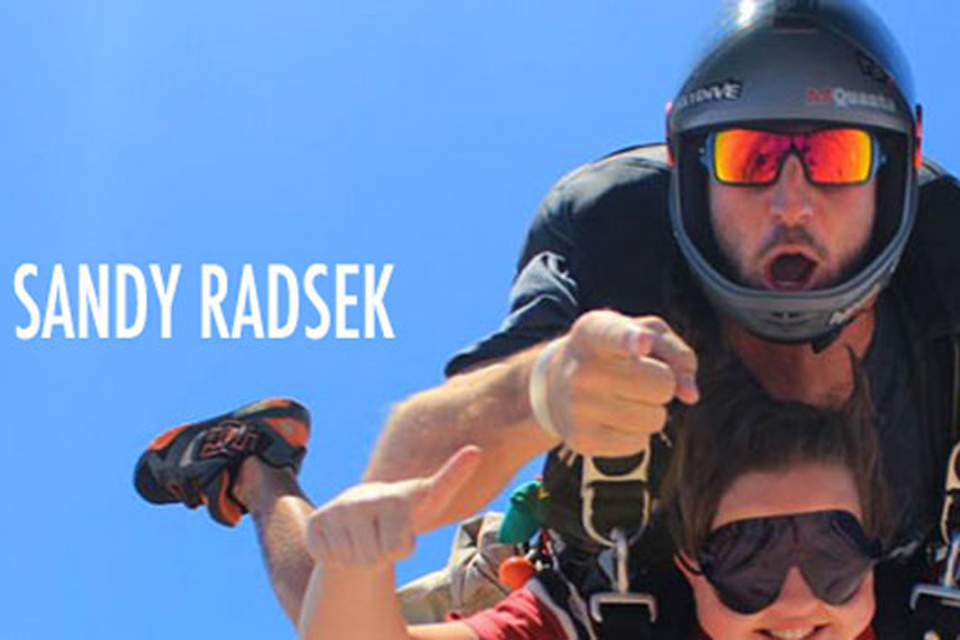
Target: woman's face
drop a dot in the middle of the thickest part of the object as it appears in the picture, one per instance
(797, 613)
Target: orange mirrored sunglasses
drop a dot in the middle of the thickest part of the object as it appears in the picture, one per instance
(748, 157)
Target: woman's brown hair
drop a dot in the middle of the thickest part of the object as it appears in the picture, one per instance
(738, 428)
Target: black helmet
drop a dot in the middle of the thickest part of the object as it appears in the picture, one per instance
(817, 61)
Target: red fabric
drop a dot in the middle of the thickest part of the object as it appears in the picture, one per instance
(519, 616)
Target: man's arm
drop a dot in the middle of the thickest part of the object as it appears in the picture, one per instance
(605, 218)
(607, 382)
(488, 407)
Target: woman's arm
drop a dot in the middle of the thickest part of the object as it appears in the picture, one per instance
(352, 602)
(355, 539)
(360, 603)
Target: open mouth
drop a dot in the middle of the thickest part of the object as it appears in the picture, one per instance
(790, 272)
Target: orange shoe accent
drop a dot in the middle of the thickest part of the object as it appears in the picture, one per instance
(164, 439)
(293, 431)
(269, 403)
(516, 571)
(225, 504)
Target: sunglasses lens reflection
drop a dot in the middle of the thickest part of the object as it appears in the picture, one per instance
(830, 156)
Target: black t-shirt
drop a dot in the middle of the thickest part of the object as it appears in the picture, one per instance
(602, 239)
(907, 453)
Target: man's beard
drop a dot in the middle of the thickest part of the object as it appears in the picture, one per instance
(751, 274)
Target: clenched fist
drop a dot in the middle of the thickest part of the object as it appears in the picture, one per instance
(609, 380)
(376, 522)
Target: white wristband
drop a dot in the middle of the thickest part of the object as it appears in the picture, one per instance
(538, 390)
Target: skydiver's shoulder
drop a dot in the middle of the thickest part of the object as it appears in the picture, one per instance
(632, 177)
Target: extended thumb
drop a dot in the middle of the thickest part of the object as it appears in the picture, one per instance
(439, 490)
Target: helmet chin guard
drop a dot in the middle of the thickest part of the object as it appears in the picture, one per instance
(792, 62)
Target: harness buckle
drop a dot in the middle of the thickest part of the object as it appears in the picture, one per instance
(940, 603)
(622, 597)
(593, 476)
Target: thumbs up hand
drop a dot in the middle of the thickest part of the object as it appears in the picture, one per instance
(375, 523)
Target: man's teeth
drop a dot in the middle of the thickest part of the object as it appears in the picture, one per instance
(793, 634)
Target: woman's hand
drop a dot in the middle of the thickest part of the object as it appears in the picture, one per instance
(376, 523)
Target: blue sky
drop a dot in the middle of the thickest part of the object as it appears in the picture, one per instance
(419, 134)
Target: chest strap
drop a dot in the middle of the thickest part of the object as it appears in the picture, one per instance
(621, 614)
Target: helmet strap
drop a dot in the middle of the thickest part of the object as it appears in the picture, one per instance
(820, 343)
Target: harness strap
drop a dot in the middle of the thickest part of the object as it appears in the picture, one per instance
(950, 516)
(558, 595)
(604, 478)
(622, 614)
(937, 606)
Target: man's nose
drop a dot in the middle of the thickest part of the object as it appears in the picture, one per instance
(791, 199)
(796, 599)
